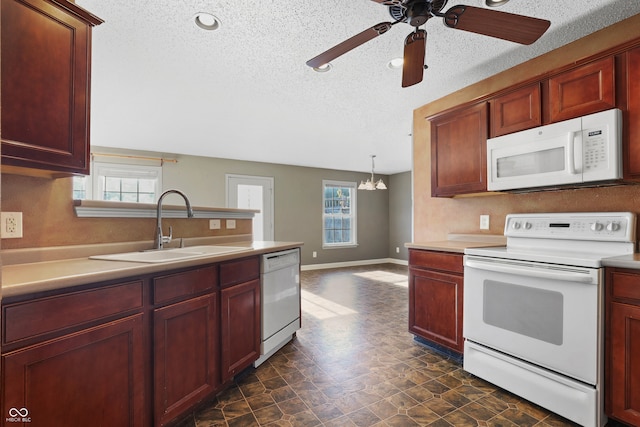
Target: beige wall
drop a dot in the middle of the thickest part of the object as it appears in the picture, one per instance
(434, 218)
(49, 219)
(399, 214)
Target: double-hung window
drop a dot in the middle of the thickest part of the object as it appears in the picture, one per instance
(119, 182)
(339, 214)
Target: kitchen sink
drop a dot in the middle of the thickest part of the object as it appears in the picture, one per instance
(167, 255)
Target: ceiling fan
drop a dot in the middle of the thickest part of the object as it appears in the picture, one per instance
(507, 26)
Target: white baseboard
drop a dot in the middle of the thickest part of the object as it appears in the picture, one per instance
(353, 263)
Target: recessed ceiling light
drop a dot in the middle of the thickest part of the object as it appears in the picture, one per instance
(206, 21)
(395, 63)
(323, 68)
(496, 3)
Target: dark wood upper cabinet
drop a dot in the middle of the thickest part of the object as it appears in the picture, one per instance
(583, 90)
(46, 57)
(459, 151)
(631, 157)
(516, 111)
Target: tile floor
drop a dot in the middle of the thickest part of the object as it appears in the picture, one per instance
(353, 363)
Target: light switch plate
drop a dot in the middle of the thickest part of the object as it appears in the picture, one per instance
(214, 224)
(484, 222)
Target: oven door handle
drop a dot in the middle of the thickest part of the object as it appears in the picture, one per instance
(567, 276)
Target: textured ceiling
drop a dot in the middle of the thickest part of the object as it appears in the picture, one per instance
(244, 92)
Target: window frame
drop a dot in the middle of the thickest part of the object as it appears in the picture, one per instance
(352, 186)
(94, 188)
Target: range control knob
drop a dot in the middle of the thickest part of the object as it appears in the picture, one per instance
(515, 225)
(613, 226)
(596, 226)
(527, 225)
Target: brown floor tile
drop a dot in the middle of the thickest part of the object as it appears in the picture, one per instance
(353, 364)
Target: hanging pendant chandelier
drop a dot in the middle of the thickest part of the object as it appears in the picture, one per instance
(371, 184)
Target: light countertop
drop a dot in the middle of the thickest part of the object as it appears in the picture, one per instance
(623, 261)
(459, 242)
(27, 278)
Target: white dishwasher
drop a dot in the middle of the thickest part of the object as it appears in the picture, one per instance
(280, 274)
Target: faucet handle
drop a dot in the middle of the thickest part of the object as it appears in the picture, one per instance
(167, 239)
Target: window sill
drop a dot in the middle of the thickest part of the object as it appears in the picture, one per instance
(346, 246)
(104, 209)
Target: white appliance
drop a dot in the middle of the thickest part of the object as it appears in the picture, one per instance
(585, 150)
(280, 298)
(533, 310)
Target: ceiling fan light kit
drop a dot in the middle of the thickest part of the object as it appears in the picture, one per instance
(502, 25)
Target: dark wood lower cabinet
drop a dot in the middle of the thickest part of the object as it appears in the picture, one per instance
(435, 298)
(139, 353)
(185, 355)
(240, 327)
(90, 378)
(622, 347)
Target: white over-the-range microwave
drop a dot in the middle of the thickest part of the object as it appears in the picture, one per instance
(582, 151)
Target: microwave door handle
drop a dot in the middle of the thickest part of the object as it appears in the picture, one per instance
(566, 276)
(571, 163)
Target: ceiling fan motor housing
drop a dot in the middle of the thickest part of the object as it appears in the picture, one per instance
(418, 12)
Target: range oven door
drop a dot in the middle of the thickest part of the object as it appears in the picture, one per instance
(545, 314)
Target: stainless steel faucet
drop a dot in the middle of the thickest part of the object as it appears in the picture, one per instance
(160, 239)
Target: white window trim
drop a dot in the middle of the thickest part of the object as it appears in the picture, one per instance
(354, 213)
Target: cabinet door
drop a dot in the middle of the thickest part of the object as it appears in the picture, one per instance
(185, 355)
(459, 152)
(515, 111)
(240, 326)
(46, 52)
(584, 90)
(91, 378)
(435, 307)
(624, 353)
(631, 158)
(622, 345)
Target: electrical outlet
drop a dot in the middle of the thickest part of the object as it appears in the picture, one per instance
(397, 250)
(214, 224)
(484, 222)
(314, 254)
(231, 224)
(11, 225)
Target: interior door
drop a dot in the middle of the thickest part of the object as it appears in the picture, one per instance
(253, 192)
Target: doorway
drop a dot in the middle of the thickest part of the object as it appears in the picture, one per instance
(253, 192)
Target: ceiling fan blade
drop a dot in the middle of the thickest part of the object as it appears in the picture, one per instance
(349, 44)
(507, 26)
(414, 51)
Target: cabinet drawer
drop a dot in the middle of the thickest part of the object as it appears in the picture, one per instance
(48, 317)
(434, 260)
(624, 284)
(239, 271)
(184, 285)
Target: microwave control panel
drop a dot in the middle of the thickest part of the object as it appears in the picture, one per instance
(595, 149)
